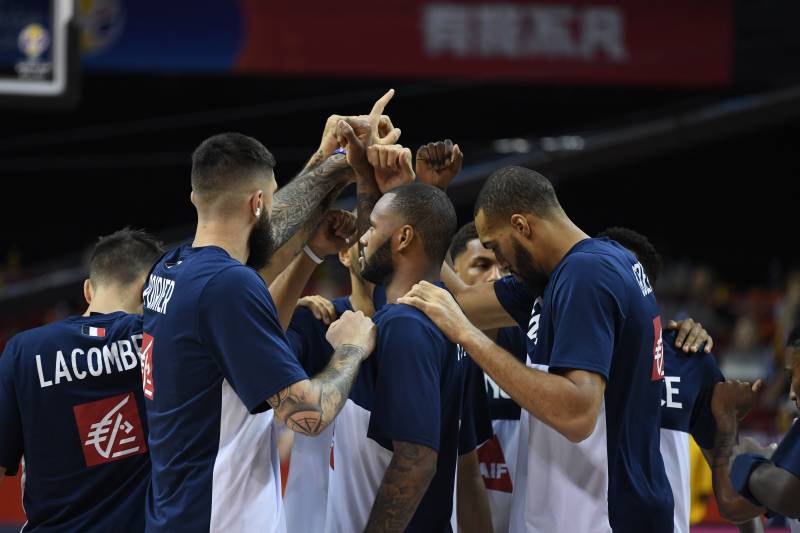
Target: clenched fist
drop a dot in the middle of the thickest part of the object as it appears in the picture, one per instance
(334, 233)
(354, 329)
(392, 166)
(438, 163)
(732, 400)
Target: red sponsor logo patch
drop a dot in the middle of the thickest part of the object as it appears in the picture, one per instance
(110, 429)
(493, 466)
(147, 365)
(658, 351)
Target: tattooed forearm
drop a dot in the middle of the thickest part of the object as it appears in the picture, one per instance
(295, 202)
(406, 479)
(724, 441)
(309, 406)
(315, 161)
(732, 506)
(367, 195)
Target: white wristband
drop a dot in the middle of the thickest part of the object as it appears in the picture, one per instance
(311, 255)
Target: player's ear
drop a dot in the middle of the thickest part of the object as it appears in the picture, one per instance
(87, 291)
(521, 225)
(257, 203)
(193, 199)
(405, 237)
(344, 257)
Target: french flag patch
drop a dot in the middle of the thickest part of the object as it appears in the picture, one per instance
(92, 331)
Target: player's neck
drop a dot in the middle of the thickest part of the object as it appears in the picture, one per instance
(111, 301)
(361, 295)
(405, 278)
(564, 237)
(231, 239)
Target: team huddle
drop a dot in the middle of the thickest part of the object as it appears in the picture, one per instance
(511, 375)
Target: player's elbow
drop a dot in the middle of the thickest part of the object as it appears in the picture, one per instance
(579, 429)
(732, 510)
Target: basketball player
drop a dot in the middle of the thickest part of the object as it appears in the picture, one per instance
(216, 358)
(689, 381)
(771, 484)
(475, 264)
(71, 401)
(595, 391)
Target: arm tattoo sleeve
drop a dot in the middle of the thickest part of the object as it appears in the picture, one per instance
(295, 202)
(309, 406)
(406, 479)
(315, 161)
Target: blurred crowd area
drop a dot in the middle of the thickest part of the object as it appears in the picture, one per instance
(749, 326)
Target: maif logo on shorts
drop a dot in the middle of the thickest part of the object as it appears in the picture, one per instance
(110, 429)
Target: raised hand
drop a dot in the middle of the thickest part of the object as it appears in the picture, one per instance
(353, 329)
(438, 163)
(732, 400)
(392, 166)
(356, 134)
(334, 233)
(691, 335)
(322, 308)
(385, 133)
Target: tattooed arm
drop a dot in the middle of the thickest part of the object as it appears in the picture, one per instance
(290, 227)
(406, 479)
(308, 406)
(332, 235)
(730, 401)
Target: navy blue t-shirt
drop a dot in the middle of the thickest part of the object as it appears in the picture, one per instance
(524, 304)
(689, 381)
(787, 455)
(210, 327)
(71, 403)
(417, 378)
(306, 336)
(599, 314)
(476, 418)
(501, 406)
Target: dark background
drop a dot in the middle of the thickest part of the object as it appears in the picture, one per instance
(122, 157)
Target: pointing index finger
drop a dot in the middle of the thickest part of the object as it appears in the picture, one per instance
(380, 105)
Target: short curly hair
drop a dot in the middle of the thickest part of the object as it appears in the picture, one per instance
(640, 246)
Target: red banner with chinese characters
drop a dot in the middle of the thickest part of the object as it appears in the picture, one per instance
(614, 42)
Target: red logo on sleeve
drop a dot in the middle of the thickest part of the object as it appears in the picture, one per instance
(658, 351)
(110, 429)
(147, 366)
(493, 466)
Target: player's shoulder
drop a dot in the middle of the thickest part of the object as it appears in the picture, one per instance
(231, 278)
(304, 321)
(402, 317)
(33, 336)
(589, 253)
(594, 261)
(701, 364)
(196, 262)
